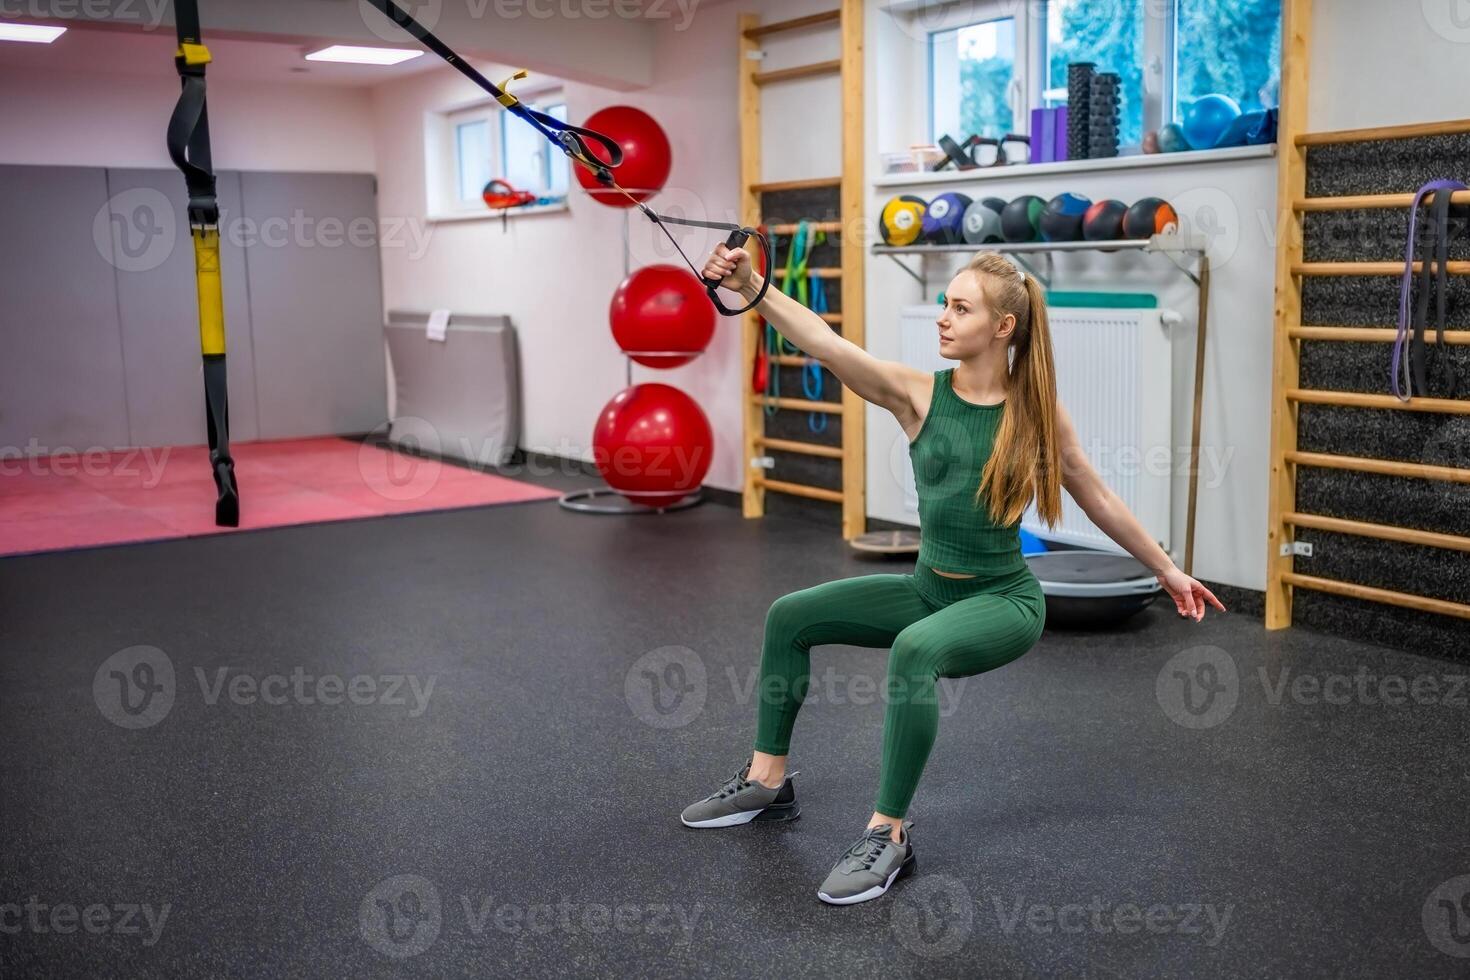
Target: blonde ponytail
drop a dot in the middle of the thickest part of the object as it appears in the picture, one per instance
(1025, 462)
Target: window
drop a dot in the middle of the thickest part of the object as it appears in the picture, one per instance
(1111, 35)
(472, 151)
(1230, 47)
(531, 162)
(993, 59)
(470, 147)
(973, 70)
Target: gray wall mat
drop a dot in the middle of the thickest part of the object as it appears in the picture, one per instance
(318, 324)
(1341, 366)
(1433, 572)
(1372, 301)
(1378, 235)
(1430, 505)
(1387, 166)
(61, 362)
(1375, 622)
(160, 319)
(1377, 433)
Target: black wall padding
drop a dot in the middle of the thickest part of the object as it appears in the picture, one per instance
(1342, 366)
(1386, 166)
(789, 207)
(1428, 505)
(1408, 437)
(1372, 301)
(1377, 235)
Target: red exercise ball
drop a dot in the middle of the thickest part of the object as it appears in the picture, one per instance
(661, 308)
(646, 155)
(652, 444)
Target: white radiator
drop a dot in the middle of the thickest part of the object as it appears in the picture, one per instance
(1114, 377)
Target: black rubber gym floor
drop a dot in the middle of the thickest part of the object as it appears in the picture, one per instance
(1169, 800)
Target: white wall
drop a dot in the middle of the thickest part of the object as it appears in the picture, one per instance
(80, 119)
(1387, 64)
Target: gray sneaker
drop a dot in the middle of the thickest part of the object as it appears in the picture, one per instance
(742, 800)
(870, 866)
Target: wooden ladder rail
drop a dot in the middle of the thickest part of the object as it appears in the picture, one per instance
(848, 17)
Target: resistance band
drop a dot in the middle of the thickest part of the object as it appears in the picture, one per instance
(573, 141)
(1408, 373)
(188, 146)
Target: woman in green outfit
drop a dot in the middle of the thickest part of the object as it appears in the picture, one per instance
(986, 437)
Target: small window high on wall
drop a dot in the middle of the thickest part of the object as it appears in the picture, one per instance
(1109, 34)
(470, 147)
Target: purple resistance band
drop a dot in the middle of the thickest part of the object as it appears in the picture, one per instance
(1401, 343)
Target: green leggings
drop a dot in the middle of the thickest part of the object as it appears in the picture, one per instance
(937, 627)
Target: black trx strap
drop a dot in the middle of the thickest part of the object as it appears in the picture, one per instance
(188, 145)
(573, 141)
(1433, 277)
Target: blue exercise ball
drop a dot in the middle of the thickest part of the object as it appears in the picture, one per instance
(1031, 544)
(1208, 118)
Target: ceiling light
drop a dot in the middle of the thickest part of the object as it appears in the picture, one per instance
(34, 33)
(350, 55)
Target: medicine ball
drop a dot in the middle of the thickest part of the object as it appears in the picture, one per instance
(1061, 219)
(1149, 217)
(1171, 139)
(902, 220)
(982, 221)
(1021, 219)
(1104, 221)
(944, 221)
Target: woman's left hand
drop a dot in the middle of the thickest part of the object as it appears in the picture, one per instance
(1188, 595)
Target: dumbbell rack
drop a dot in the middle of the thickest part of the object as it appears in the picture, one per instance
(1168, 245)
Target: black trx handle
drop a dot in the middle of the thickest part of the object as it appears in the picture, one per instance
(188, 147)
(574, 142)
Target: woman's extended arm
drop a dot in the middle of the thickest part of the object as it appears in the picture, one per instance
(884, 383)
(1109, 513)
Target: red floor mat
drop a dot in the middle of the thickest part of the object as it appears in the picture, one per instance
(69, 501)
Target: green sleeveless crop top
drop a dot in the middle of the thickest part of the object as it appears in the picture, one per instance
(949, 453)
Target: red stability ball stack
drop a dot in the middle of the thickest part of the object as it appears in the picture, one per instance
(652, 444)
(661, 316)
(646, 155)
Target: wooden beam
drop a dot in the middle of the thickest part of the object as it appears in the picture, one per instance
(1199, 403)
(799, 404)
(801, 490)
(1291, 185)
(753, 499)
(790, 229)
(1383, 532)
(1355, 591)
(1361, 399)
(1375, 335)
(810, 184)
(1367, 202)
(794, 24)
(820, 273)
(1369, 268)
(800, 71)
(1448, 127)
(1383, 467)
(854, 301)
(796, 446)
